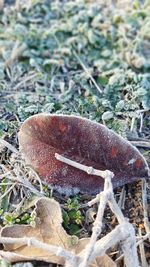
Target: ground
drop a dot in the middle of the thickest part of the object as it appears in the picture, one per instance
(74, 57)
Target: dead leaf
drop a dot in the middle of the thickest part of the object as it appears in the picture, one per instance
(84, 141)
(103, 261)
(48, 229)
(11, 257)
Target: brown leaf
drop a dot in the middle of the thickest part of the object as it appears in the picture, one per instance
(49, 230)
(103, 261)
(87, 142)
(12, 257)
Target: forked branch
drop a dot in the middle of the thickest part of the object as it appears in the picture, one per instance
(126, 236)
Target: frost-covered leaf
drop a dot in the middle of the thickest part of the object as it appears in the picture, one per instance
(120, 105)
(48, 229)
(84, 141)
(107, 115)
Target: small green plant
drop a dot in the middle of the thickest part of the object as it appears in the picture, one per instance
(11, 218)
(72, 217)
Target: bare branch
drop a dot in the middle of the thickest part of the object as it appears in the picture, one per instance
(128, 242)
(87, 169)
(32, 242)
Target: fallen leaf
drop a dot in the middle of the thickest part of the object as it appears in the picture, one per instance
(103, 261)
(48, 229)
(84, 141)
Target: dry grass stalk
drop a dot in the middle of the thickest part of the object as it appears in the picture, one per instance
(87, 72)
(17, 50)
(4, 143)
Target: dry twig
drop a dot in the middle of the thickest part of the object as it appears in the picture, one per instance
(107, 196)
